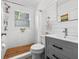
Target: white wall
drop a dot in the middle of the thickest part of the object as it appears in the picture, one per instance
(14, 36)
(14, 33)
(50, 9)
(71, 8)
(41, 17)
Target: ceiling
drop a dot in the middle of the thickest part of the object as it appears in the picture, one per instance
(34, 3)
(27, 3)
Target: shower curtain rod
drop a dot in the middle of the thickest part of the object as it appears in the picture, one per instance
(14, 3)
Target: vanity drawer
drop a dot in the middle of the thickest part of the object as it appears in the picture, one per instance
(53, 54)
(61, 44)
(69, 52)
(66, 43)
(57, 55)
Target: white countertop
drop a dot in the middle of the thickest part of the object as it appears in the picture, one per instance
(68, 38)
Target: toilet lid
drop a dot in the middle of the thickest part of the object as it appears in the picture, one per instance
(37, 46)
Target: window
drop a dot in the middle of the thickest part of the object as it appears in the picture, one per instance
(21, 19)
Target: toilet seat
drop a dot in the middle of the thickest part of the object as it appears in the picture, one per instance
(37, 48)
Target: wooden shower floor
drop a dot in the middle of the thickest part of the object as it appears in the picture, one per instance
(16, 51)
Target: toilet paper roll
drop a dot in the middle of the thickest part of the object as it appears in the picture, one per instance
(3, 45)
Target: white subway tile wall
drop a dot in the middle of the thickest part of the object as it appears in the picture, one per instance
(64, 6)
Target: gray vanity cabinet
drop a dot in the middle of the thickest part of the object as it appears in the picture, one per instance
(60, 49)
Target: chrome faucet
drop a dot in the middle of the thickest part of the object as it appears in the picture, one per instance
(66, 32)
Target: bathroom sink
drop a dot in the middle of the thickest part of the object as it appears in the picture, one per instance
(61, 37)
(56, 36)
(72, 39)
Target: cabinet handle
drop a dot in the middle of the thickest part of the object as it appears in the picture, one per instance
(57, 47)
(55, 56)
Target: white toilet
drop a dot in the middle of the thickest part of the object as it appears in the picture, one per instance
(37, 50)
